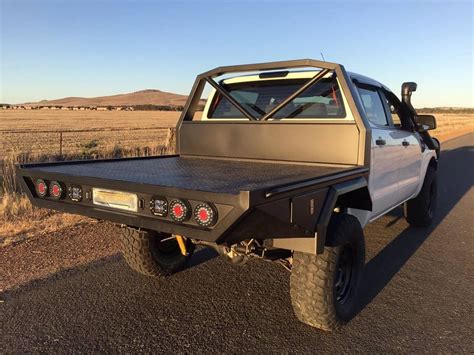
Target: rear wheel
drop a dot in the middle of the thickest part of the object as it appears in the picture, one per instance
(419, 211)
(153, 253)
(323, 287)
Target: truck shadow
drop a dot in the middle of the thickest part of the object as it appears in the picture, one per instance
(456, 176)
(201, 256)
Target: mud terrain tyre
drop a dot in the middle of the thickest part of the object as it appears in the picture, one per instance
(324, 287)
(419, 211)
(147, 253)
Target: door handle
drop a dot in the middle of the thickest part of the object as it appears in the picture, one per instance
(405, 143)
(380, 141)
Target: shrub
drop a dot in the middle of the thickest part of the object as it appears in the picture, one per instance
(89, 149)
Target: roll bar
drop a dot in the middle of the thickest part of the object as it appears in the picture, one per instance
(343, 78)
(208, 77)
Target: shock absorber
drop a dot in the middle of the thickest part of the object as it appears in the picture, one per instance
(182, 244)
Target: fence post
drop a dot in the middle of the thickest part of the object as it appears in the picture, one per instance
(60, 144)
(170, 142)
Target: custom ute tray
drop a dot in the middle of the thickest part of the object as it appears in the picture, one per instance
(262, 191)
(258, 178)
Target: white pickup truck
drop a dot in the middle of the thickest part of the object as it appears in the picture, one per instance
(286, 163)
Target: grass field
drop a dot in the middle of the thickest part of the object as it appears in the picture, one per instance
(38, 132)
(32, 120)
(448, 122)
(41, 133)
(33, 135)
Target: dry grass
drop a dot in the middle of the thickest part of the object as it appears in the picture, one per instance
(13, 206)
(10, 183)
(68, 120)
(31, 121)
(452, 122)
(109, 129)
(19, 220)
(37, 132)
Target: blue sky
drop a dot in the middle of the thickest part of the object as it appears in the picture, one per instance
(52, 49)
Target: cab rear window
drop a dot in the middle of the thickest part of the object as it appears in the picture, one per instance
(321, 100)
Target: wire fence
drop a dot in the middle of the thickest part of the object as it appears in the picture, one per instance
(22, 146)
(67, 142)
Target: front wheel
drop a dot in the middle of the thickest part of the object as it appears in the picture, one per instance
(323, 287)
(152, 253)
(419, 212)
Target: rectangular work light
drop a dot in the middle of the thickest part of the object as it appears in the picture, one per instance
(115, 199)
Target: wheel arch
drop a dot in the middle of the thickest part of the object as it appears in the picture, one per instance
(349, 194)
(429, 160)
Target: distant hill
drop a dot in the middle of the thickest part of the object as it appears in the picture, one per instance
(156, 97)
(143, 97)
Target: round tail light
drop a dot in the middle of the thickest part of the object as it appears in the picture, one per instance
(205, 215)
(179, 210)
(41, 188)
(56, 190)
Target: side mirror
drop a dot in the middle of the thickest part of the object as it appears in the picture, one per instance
(425, 122)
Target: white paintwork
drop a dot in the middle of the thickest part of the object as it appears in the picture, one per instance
(385, 162)
(362, 215)
(396, 174)
(410, 163)
(397, 171)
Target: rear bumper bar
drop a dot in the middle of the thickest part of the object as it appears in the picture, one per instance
(230, 206)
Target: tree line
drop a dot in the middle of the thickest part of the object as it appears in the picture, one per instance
(162, 108)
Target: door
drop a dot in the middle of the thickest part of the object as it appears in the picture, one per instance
(385, 152)
(411, 147)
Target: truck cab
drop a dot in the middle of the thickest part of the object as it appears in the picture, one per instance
(399, 155)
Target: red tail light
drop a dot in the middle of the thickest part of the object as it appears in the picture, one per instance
(41, 188)
(179, 210)
(55, 190)
(205, 215)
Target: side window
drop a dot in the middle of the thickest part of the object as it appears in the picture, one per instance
(394, 107)
(397, 122)
(373, 106)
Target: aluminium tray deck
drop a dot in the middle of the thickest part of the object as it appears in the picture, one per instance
(200, 174)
